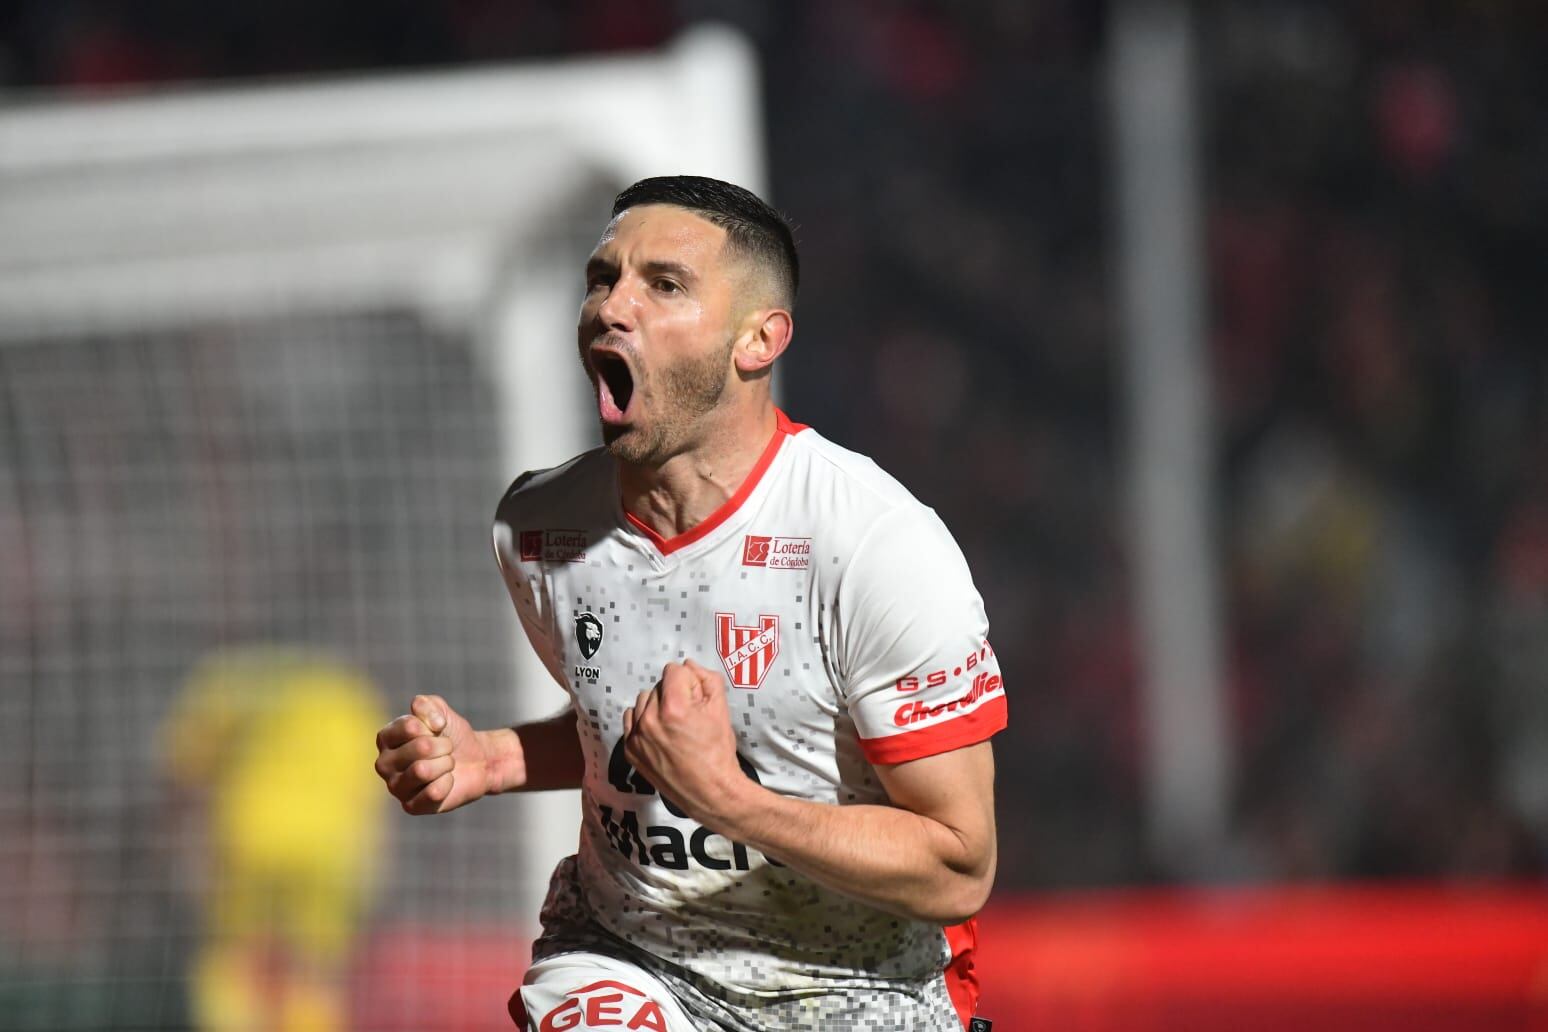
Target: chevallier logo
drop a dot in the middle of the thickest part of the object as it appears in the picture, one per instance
(915, 711)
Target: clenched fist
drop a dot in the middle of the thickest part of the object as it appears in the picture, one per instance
(431, 758)
(678, 735)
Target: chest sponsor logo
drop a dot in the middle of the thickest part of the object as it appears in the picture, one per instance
(605, 1004)
(552, 546)
(588, 634)
(746, 652)
(777, 553)
(668, 846)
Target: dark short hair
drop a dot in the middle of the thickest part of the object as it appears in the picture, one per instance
(752, 227)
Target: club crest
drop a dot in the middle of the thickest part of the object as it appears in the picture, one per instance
(746, 652)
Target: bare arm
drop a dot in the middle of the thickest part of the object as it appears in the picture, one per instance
(928, 856)
(535, 757)
(434, 761)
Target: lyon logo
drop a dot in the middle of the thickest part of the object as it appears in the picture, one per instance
(747, 652)
(588, 634)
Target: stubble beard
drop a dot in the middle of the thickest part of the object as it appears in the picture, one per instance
(679, 397)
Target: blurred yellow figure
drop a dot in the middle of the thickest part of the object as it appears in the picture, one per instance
(278, 745)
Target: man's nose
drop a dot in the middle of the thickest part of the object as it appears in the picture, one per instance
(619, 308)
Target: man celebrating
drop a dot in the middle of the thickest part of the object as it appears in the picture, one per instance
(780, 679)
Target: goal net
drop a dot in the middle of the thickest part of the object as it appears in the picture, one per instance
(268, 358)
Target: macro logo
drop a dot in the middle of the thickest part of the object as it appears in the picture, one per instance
(669, 846)
(776, 553)
(605, 1004)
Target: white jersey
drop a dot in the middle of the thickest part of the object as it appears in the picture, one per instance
(843, 617)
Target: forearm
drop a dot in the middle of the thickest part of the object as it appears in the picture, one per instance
(892, 858)
(534, 757)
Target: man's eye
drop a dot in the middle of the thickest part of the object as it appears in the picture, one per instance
(667, 286)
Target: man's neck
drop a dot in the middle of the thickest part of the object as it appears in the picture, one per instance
(684, 491)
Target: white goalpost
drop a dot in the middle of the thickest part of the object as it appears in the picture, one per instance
(268, 358)
(1161, 289)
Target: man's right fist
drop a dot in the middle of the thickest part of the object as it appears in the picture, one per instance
(431, 758)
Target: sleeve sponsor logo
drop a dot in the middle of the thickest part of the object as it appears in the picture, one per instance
(918, 711)
(605, 1004)
(777, 553)
(937, 678)
(553, 546)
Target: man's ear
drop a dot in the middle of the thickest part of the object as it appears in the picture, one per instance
(765, 335)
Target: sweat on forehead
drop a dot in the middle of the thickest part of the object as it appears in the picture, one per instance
(680, 225)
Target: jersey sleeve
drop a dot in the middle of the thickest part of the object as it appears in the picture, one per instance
(526, 588)
(918, 674)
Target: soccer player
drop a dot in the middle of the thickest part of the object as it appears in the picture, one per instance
(781, 686)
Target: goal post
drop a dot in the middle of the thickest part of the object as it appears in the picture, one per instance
(268, 357)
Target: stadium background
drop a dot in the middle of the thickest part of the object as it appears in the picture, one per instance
(1373, 220)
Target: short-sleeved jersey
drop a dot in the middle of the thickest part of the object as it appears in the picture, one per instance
(844, 620)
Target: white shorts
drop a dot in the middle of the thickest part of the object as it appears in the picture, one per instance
(578, 992)
(571, 936)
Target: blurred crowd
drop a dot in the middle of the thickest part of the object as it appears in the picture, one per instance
(1377, 226)
(1378, 231)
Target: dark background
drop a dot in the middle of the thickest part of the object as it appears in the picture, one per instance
(1376, 210)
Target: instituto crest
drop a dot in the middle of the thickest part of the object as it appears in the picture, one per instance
(746, 652)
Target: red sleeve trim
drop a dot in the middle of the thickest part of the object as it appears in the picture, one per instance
(975, 727)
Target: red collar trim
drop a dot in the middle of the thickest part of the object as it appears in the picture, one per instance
(666, 546)
(786, 425)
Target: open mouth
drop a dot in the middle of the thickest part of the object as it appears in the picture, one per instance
(615, 384)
